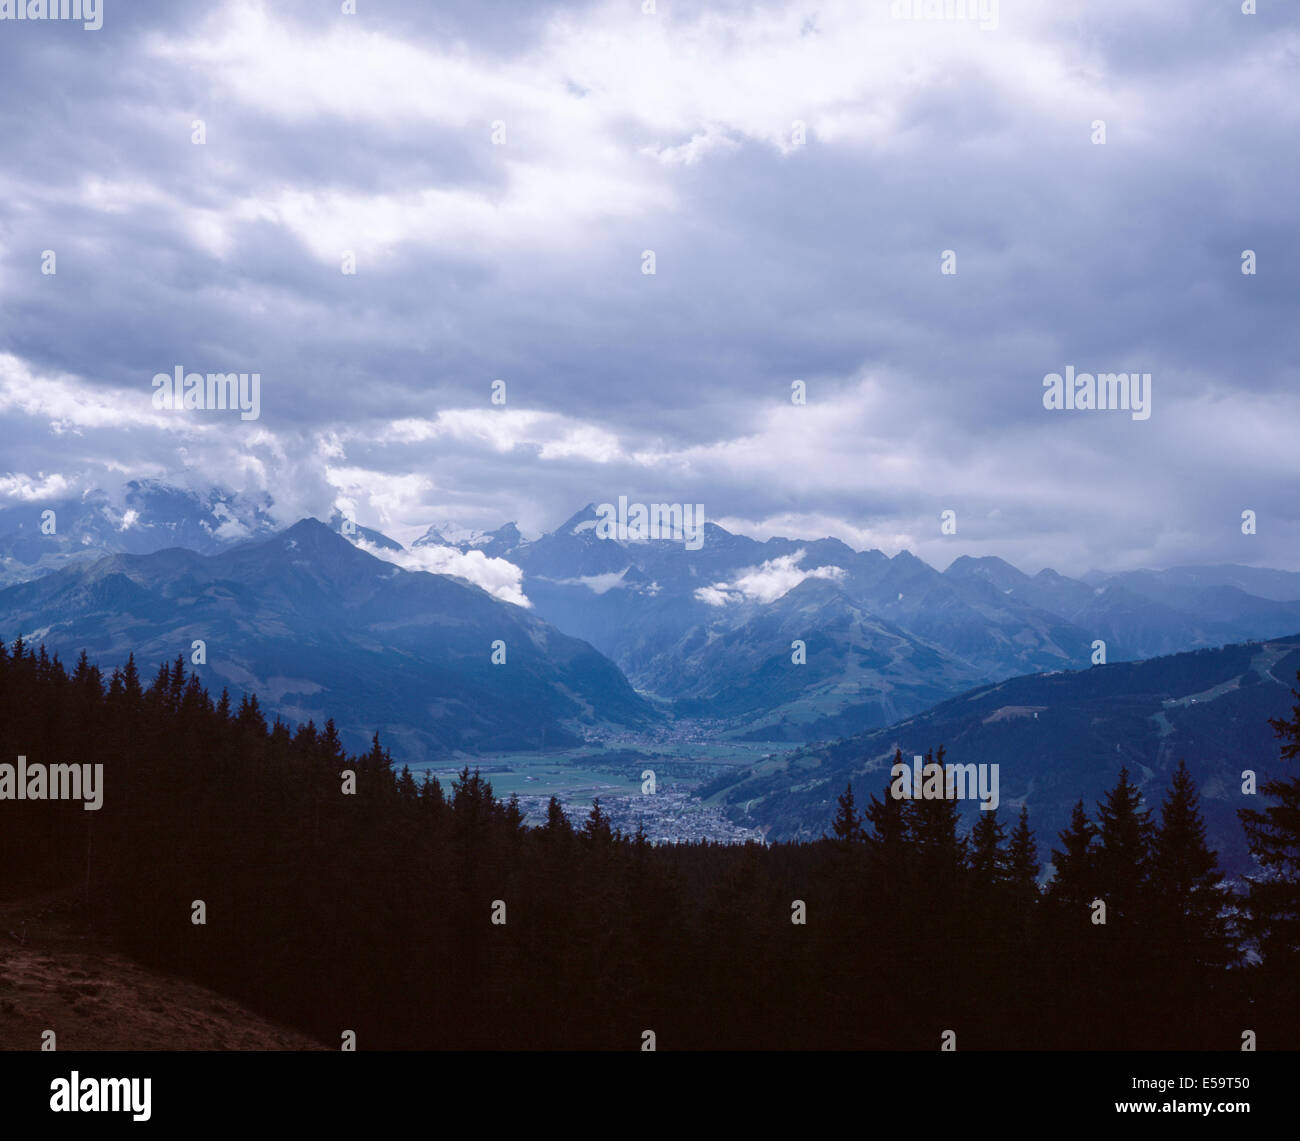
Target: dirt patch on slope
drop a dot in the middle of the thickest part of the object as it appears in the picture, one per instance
(56, 976)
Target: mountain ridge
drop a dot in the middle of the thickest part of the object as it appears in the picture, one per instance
(1058, 738)
(318, 627)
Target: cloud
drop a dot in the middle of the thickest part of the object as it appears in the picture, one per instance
(776, 260)
(765, 583)
(32, 488)
(552, 436)
(499, 577)
(596, 583)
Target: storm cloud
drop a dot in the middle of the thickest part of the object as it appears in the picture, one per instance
(497, 173)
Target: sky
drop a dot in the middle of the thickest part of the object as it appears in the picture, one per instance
(496, 174)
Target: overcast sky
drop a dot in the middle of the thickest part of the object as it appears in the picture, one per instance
(775, 261)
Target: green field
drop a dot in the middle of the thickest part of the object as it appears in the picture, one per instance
(582, 774)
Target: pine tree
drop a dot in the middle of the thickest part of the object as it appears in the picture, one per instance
(1020, 884)
(557, 823)
(432, 799)
(131, 687)
(887, 837)
(988, 858)
(1022, 859)
(376, 762)
(161, 686)
(1273, 835)
(81, 674)
(885, 824)
(471, 798)
(847, 823)
(406, 784)
(1124, 836)
(250, 716)
(177, 688)
(597, 828)
(1073, 885)
(330, 741)
(195, 700)
(512, 814)
(1188, 896)
(305, 737)
(933, 824)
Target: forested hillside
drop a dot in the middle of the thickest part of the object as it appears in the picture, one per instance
(337, 895)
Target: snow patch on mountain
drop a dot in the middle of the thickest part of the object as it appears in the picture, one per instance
(449, 534)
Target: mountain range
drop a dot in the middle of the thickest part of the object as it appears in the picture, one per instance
(712, 630)
(318, 628)
(785, 639)
(41, 536)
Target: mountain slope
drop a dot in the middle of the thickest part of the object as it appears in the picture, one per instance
(710, 629)
(859, 672)
(1058, 737)
(317, 628)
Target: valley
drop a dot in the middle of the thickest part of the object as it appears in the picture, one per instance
(754, 679)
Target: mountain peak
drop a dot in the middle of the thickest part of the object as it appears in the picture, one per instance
(445, 533)
(356, 531)
(309, 528)
(587, 515)
(310, 538)
(495, 544)
(988, 567)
